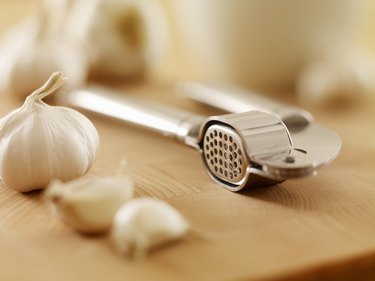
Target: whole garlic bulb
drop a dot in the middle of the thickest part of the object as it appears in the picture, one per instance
(144, 223)
(121, 37)
(39, 142)
(35, 48)
(89, 204)
(346, 76)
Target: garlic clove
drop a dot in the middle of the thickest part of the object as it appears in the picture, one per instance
(89, 204)
(145, 223)
(39, 142)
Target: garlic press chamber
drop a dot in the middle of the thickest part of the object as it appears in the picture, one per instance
(239, 150)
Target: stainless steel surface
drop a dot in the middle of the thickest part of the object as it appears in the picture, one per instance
(224, 154)
(239, 149)
(313, 145)
(241, 141)
(181, 125)
(234, 99)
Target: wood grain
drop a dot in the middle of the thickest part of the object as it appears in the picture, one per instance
(311, 228)
(317, 228)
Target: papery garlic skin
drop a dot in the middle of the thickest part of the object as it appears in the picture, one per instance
(39, 142)
(89, 204)
(145, 223)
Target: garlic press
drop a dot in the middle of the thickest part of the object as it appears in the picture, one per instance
(239, 150)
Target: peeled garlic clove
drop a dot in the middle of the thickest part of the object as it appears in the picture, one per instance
(144, 223)
(89, 204)
(39, 142)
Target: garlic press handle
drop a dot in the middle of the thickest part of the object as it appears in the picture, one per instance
(181, 125)
(234, 99)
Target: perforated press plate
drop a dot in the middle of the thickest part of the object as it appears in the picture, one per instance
(224, 154)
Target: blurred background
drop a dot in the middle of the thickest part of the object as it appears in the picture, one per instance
(321, 51)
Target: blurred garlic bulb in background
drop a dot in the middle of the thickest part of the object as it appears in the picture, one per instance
(343, 76)
(39, 142)
(122, 37)
(35, 48)
(108, 39)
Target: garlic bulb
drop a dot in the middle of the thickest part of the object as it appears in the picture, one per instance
(121, 37)
(144, 223)
(39, 142)
(35, 48)
(89, 204)
(345, 76)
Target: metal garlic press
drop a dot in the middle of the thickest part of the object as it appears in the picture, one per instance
(239, 150)
(321, 145)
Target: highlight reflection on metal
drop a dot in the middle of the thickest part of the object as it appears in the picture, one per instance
(239, 150)
(320, 145)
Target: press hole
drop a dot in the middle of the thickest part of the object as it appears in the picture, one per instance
(215, 150)
(235, 164)
(216, 169)
(239, 152)
(220, 153)
(220, 143)
(231, 166)
(235, 174)
(225, 146)
(289, 159)
(215, 133)
(235, 155)
(225, 173)
(225, 137)
(221, 170)
(230, 139)
(240, 170)
(207, 147)
(220, 162)
(231, 175)
(215, 159)
(225, 165)
(208, 156)
(230, 157)
(215, 142)
(211, 135)
(225, 155)
(230, 148)
(207, 139)
(235, 145)
(211, 153)
(212, 162)
(220, 135)
(240, 161)
(211, 144)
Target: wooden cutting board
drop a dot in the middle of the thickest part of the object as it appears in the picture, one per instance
(316, 228)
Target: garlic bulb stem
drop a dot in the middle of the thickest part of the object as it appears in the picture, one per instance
(55, 81)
